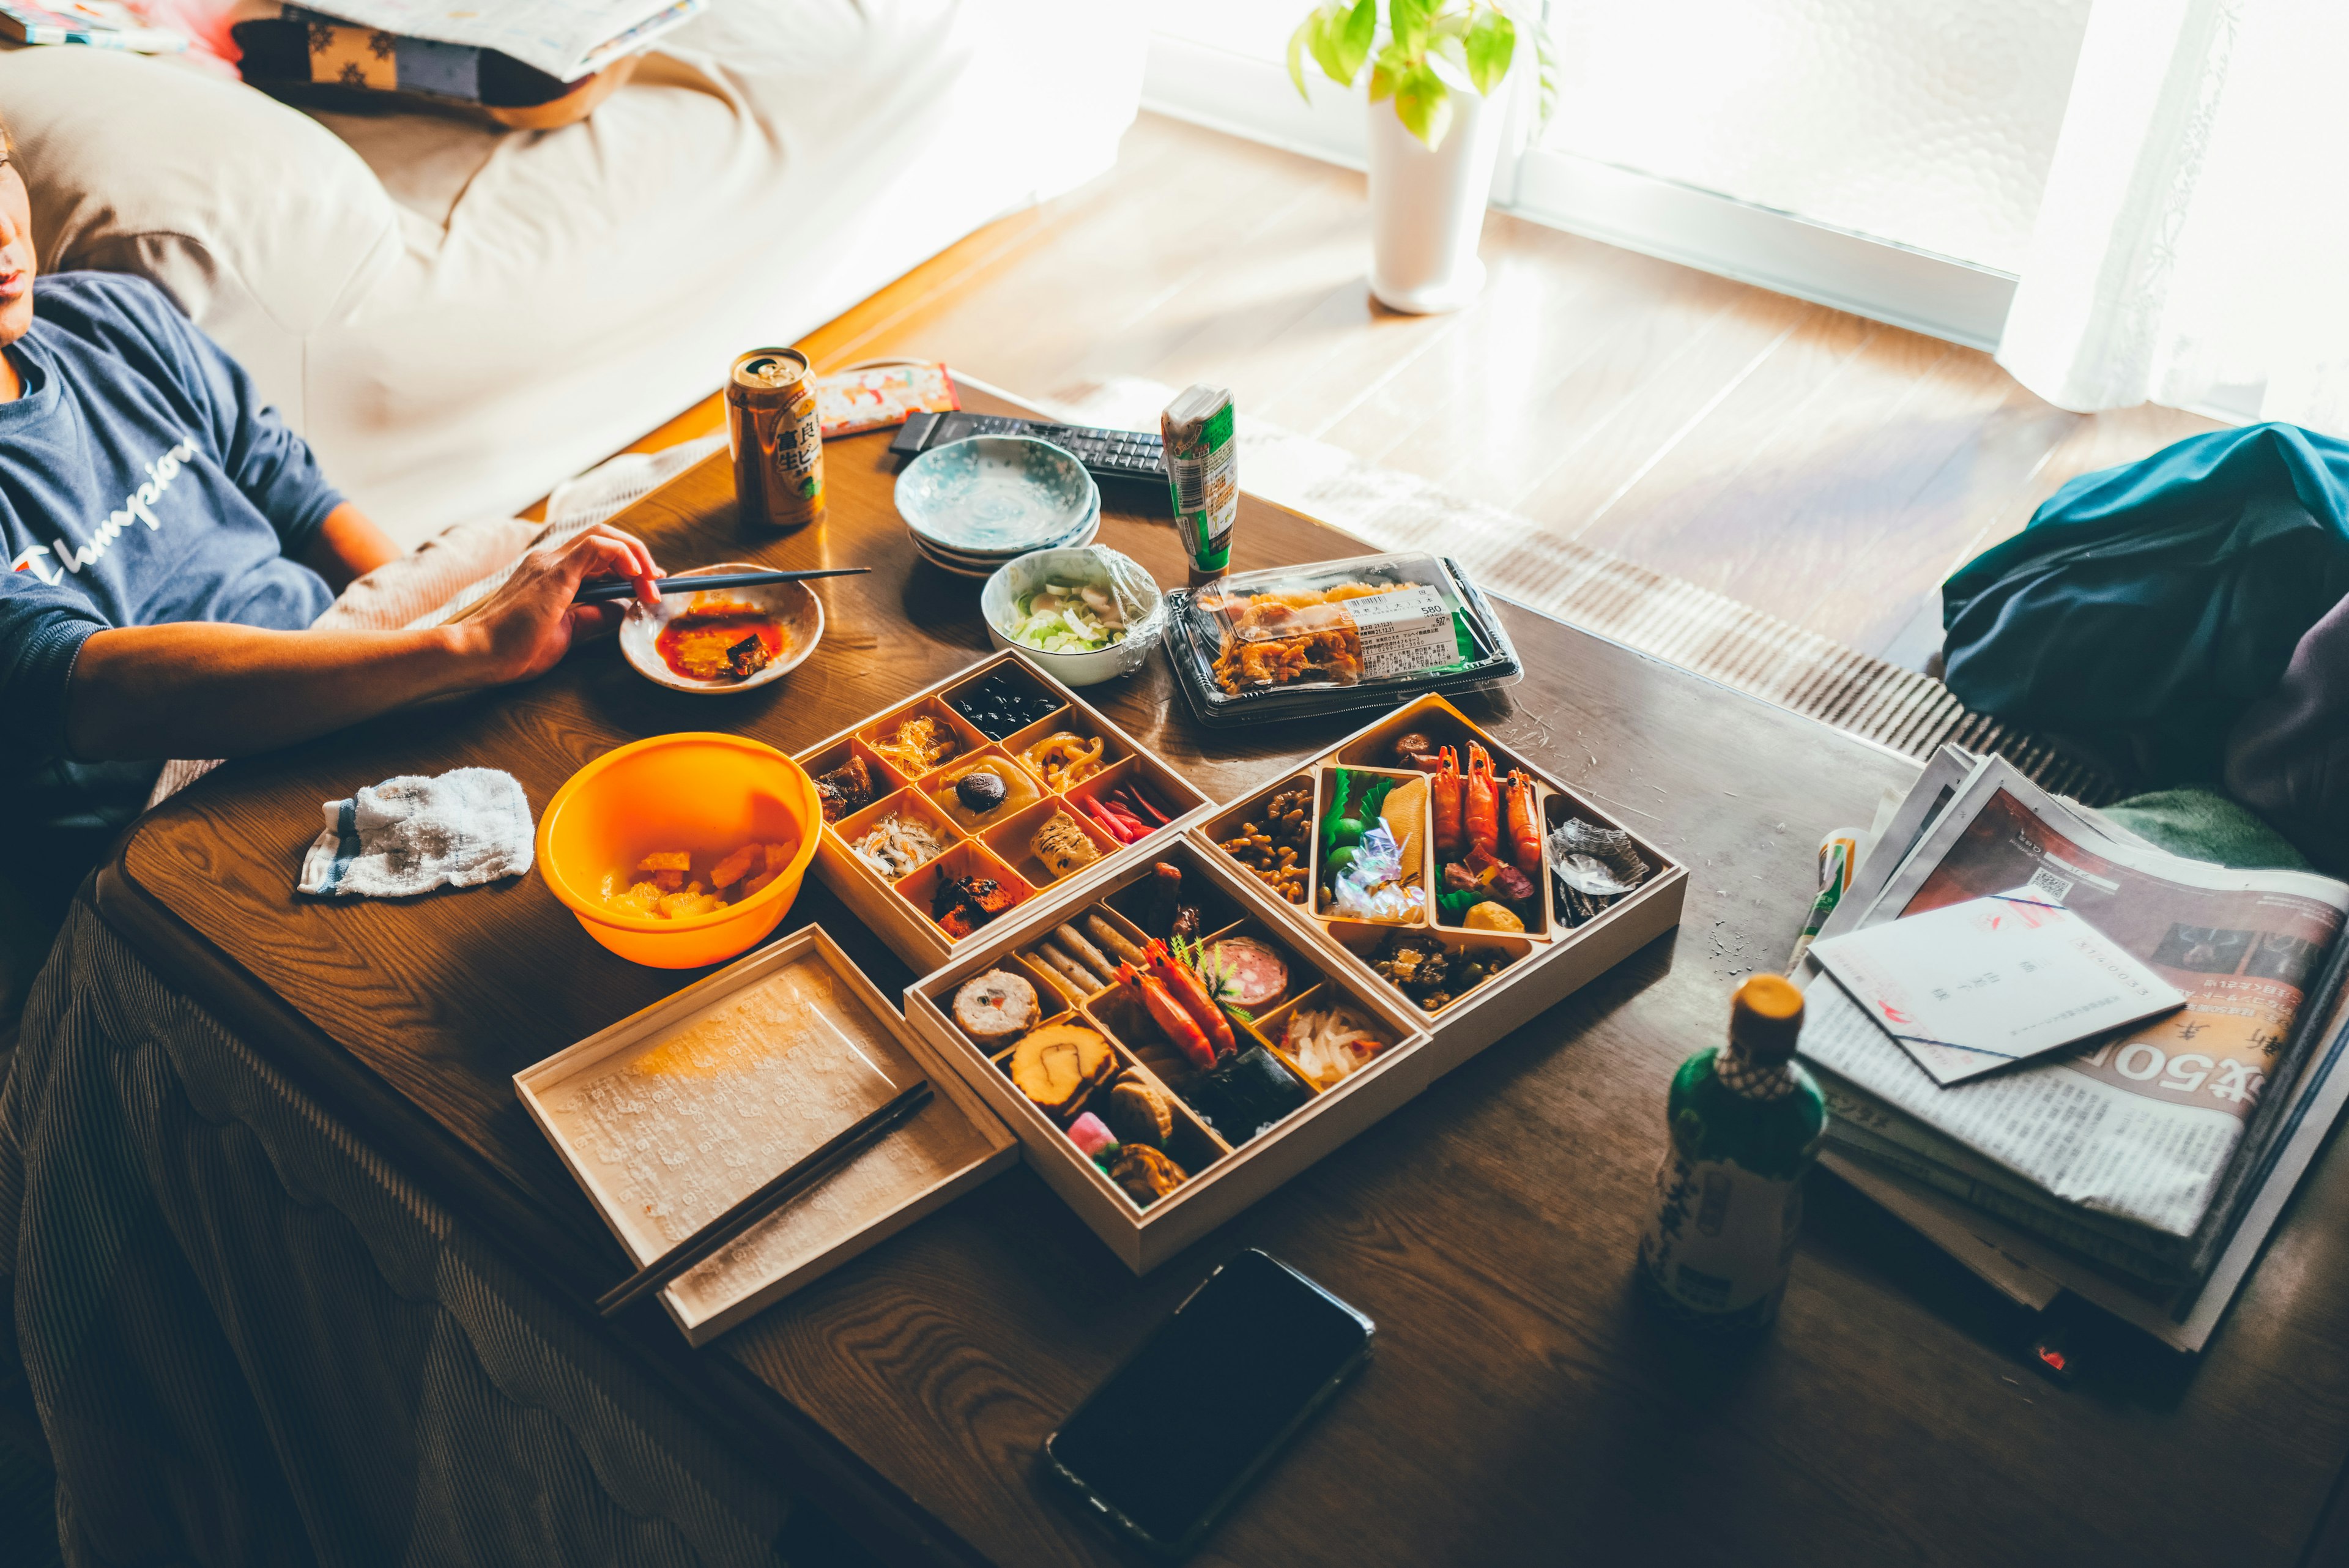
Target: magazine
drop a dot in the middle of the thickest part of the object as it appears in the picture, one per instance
(2144, 1128)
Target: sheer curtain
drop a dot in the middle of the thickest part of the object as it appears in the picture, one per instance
(2192, 247)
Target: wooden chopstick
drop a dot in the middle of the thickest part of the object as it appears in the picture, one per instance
(790, 1183)
(625, 587)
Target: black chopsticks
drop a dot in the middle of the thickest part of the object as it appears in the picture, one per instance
(790, 1183)
(625, 587)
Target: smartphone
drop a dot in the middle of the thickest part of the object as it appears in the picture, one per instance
(1164, 1446)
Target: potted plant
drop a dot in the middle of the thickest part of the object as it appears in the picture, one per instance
(1437, 69)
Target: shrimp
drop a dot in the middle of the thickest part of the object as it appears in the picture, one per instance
(1184, 987)
(1524, 826)
(1177, 1025)
(1444, 800)
(1482, 808)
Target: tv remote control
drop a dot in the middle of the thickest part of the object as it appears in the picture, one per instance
(1106, 454)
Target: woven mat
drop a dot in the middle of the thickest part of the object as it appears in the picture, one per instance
(1694, 627)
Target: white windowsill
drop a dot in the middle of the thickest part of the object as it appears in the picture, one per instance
(1915, 289)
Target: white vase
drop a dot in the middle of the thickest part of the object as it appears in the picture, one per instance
(1427, 207)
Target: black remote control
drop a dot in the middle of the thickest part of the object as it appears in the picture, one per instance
(1106, 454)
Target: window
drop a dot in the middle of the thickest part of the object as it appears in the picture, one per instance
(1883, 156)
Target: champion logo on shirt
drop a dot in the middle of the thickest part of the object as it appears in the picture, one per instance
(139, 505)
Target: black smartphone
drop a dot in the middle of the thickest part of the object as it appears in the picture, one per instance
(1162, 1449)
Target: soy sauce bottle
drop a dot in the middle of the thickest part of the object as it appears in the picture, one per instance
(1746, 1121)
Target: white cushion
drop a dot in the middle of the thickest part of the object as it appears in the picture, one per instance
(488, 312)
(261, 222)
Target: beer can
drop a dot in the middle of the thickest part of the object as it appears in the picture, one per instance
(772, 429)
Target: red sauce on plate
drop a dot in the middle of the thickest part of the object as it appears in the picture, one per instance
(701, 644)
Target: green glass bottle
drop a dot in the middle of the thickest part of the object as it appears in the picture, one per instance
(1745, 1122)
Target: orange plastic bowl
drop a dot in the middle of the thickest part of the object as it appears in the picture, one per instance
(707, 793)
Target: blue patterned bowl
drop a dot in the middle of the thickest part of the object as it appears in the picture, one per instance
(995, 495)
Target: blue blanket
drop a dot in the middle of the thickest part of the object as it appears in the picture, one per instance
(2144, 607)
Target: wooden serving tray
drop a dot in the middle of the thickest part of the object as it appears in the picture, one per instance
(899, 912)
(1547, 962)
(669, 1116)
(1225, 1174)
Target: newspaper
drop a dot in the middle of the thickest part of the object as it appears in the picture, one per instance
(2145, 1128)
(2033, 1272)
(567, 39)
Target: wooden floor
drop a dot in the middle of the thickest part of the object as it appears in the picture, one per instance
(1818, 465)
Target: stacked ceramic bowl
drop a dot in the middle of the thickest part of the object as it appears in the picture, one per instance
(974, 505)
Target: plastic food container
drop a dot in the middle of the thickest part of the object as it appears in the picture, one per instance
(1093, 566)
(705, 792)
(1340, 635)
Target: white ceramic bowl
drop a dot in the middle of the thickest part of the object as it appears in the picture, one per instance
(982, 567)
(1087, 564)
(995, 495)
(795, 605)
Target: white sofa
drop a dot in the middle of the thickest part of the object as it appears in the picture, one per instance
(458, 317)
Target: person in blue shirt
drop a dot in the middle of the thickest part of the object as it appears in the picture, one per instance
(167, 543)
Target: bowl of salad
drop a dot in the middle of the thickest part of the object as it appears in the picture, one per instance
(1086, 613)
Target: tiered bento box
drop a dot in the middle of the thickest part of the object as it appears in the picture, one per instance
(1331, 960)
(742, 1061)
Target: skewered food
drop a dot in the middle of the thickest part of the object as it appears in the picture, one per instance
(996, 1007)
(1054, 1064)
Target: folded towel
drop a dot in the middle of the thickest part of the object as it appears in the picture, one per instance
(413, 834)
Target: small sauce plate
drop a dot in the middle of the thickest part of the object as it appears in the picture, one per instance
(796, 609)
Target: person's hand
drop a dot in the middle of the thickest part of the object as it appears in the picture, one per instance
(527, 625)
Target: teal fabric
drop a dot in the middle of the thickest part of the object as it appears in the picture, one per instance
(2145, 605)
(2204, 824)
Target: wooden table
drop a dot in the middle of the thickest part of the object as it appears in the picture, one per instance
(1521, 1407)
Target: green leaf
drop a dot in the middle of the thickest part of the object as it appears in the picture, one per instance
(1491, 43)
(1394, 62)
(1297, 57)
(1423, 104)
(1329, 42)
(1356, 34)
(1409, 21)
